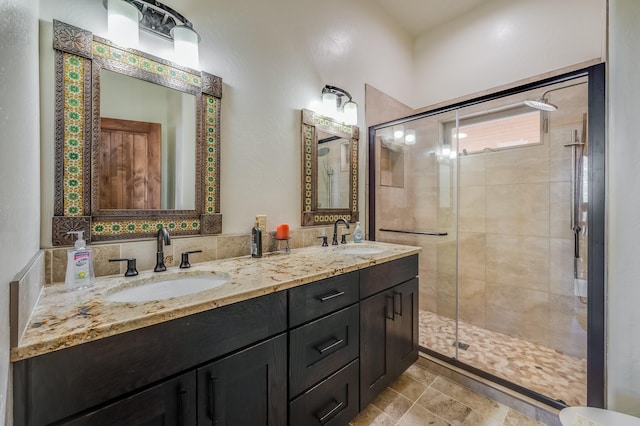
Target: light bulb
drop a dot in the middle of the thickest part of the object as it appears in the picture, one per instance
(185, 46)
(410, 137)
(122, 21)
(330, 104)
(398, 133)
(350, 113)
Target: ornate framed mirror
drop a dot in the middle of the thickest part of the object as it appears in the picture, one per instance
(329, 170)
(137, 142)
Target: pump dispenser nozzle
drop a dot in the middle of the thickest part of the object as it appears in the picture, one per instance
(80, 242)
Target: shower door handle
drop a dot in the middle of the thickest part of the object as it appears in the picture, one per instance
(576, 241)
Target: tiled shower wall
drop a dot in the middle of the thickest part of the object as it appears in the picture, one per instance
(515, 258)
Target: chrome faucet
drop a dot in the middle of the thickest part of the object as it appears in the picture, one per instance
(163, 237)
(335, 230)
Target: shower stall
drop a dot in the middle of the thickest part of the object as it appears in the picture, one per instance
(496, 191)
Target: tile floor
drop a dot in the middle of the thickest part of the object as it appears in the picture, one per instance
(420, 397)
(533, 366)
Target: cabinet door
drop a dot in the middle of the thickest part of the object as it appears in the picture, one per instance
(169, 403)
(405, 337)
(246, 388)
(376, 333)
(388, 338)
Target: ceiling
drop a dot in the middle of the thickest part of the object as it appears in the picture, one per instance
(420, 16)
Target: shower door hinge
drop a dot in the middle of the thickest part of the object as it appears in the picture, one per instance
(545, 125)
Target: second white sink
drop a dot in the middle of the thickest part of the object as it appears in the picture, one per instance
(167, 288)
(359, 249)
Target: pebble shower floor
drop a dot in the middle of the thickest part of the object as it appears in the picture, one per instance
(533, 366)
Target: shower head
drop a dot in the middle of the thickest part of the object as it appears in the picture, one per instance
(322, 151)
(541, 104)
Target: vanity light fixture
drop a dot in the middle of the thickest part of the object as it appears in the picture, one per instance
(155, 18)
(332, 101)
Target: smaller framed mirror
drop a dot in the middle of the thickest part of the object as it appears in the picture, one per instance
(329, 170)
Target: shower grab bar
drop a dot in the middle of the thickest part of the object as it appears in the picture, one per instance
(438, 234)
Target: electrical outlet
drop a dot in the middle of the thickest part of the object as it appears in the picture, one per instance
(261, 219)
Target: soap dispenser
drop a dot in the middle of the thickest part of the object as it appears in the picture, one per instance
(357, 234)
(79, 265)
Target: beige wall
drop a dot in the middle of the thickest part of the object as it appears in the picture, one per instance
(274, 58)
(504, 41)
(19, 160)
(623, 288)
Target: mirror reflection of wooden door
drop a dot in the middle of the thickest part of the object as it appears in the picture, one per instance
(130, 164)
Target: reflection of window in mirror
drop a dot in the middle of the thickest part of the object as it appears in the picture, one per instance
(391, 166)
(495, 130)
(344, 157)
(133, 100)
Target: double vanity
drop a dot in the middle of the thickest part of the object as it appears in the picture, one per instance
(306, 338)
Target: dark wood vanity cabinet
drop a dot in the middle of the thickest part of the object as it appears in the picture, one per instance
(314, 354)
(388, 324)
(63, 386)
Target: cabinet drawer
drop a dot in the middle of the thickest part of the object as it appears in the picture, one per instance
(314, 300)
(386, 275)
(334, 401)
(321, 347)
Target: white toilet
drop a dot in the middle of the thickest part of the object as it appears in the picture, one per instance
(589, 416)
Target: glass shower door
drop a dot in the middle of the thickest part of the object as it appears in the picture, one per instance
(495, 195)
(522, 240)
(416, 204)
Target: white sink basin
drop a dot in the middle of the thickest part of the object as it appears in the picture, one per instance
(358, 249)
(148, 291)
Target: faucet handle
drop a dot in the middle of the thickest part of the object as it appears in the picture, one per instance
(131, 266)
(324, 241)
(185, 258)
(344, 238)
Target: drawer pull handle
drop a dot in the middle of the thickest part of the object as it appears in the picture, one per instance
(397, 296)
(331, 410)
(330, 296)
(329, 345)
(390, 313)
(181, 406)
(212, 400)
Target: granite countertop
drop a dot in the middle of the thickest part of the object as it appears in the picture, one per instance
(63, 319)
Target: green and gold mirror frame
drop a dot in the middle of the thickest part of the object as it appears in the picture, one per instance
(312, 124)
(79, 56)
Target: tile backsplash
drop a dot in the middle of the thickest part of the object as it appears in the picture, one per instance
(213, 247)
